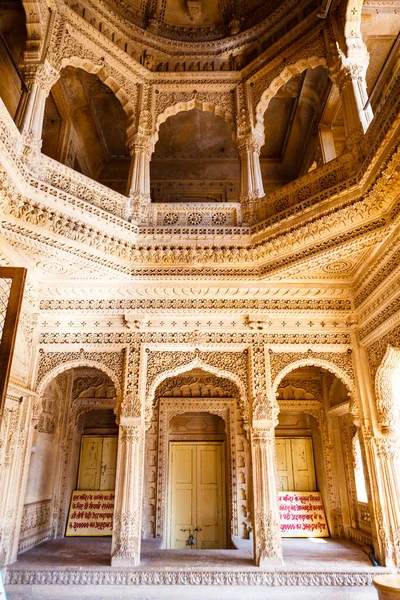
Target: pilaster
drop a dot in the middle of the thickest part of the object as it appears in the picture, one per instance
(30, 114)
(251, 183)
(128, 493)
(267, 538)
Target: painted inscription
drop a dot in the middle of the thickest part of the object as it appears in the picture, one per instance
(91, 513)
(302, 514)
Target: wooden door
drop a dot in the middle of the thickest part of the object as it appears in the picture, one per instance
(196, 495)
(284, 465)
(90, 463)
(295, 465)
(97, 463)
(182, 493)
(109, 463)
(303, 465)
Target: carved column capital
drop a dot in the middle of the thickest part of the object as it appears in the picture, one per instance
(388, 447)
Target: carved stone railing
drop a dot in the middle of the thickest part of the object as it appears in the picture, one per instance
(323, 183)
(196, 214)
(337, 176)
(61, 182)
(67, 180)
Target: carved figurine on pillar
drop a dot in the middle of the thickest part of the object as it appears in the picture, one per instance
(141, 148)
(39, 79)
(251, 183)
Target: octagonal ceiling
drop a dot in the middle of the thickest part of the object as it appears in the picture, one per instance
(195, 19)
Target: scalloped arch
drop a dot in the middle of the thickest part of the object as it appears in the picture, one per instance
(287, 73)
(314, 362)
(104, 75)
(174, 109)
(197, 363)
(74, 364)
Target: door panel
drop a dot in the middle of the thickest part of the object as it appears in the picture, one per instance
(303, 465)
(98, 463)
(183, 489)
(295, 464)
(209, 496)
(109, 463)
(196, 495)
(284, 464)
(90, 463)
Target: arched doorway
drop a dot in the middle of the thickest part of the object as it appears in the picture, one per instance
(319, 449)
(76, 413)
(197, 424)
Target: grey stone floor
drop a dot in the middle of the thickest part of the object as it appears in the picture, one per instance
(299, 554)
(87, 554)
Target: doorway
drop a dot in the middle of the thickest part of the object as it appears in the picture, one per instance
(295, 464)
(97, 463)
(196, 496)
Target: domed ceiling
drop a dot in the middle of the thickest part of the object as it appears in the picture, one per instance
(195, 20)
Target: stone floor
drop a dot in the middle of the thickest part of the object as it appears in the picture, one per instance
(72, 568)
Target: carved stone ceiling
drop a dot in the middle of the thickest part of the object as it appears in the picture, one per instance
(195, 19)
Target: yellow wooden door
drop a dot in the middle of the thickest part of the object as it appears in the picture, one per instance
(209, 496)
(284, 465)
(196, 495)
(303, 465)
(90, 463)
(295, 464)
(182, 494)
(97, 463)
(108, 463)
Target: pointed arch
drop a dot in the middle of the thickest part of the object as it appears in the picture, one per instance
(105, 76)
(187, 105)
(196, 363)
(78, 363)
(287, 73)
(314, 362)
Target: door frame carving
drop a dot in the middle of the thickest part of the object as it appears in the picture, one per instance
(226, 408)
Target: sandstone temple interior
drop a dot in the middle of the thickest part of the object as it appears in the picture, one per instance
(205, 196)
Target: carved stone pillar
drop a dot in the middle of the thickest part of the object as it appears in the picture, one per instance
(350, 78)
(251, 183)
(267, 537)
(30, 114)
(141, 148)
(128, 493)
(388, 454)
(19, 419)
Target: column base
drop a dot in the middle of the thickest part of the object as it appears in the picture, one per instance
(276, 561)
(125, 561)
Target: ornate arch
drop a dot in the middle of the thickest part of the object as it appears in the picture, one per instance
(196, 363)
(190, 104)
(287, 73)
(103, 73)
(388, 410)
(74, 364)
(314, 361)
